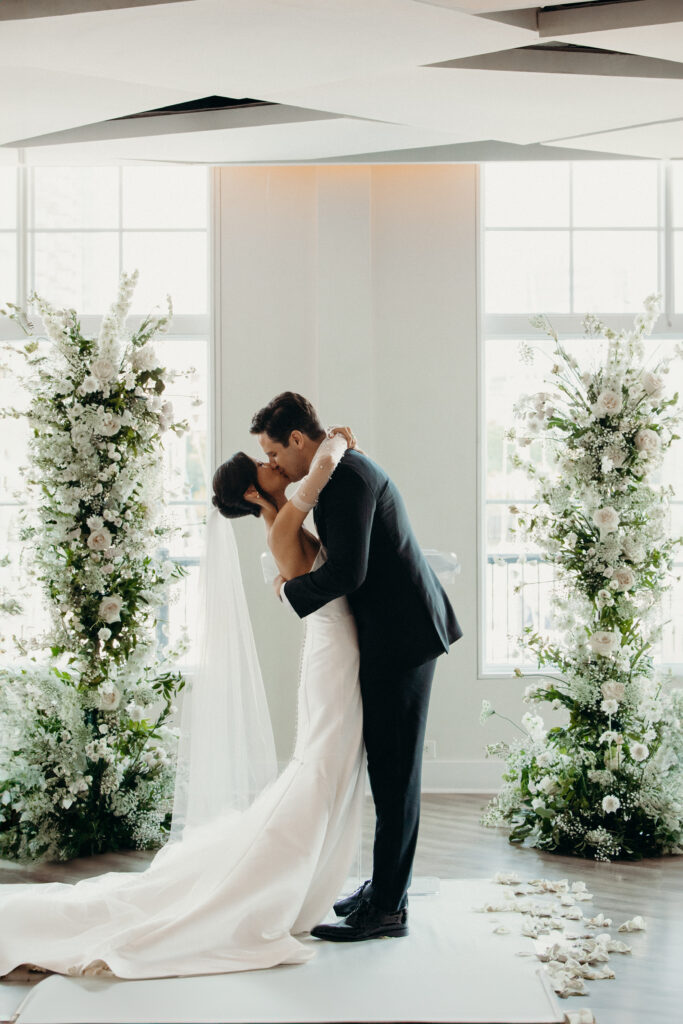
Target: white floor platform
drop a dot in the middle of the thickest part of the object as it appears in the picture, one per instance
(452, 968)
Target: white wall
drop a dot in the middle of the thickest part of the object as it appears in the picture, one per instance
(357, 286)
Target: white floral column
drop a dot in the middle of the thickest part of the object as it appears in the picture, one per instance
(87, 759)
(609, 783)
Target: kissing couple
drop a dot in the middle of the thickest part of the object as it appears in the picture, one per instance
(241, 889)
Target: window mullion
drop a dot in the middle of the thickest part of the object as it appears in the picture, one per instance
(22, 231)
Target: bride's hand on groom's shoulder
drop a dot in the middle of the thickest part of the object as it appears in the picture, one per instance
(348, 436)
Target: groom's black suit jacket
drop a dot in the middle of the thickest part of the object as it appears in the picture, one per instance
(401, 610)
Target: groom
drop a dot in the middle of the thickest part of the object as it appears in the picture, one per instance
(404, 621)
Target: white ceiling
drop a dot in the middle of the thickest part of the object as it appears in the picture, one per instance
(361, 61)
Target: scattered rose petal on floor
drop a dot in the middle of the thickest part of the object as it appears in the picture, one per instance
(582, 1016)
(636, 924)
(507, 878)
(501, 930)
(600, 921)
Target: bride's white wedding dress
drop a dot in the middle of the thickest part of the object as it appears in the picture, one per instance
(234, 892)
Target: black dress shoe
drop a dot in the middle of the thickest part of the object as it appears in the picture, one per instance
(348, 904)
(367, 922)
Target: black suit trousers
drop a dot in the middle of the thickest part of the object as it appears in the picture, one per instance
(395, 704)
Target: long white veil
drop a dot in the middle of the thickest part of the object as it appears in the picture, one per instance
(226, 752)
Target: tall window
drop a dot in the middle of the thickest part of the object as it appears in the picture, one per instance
(67, 232)
(564, 239)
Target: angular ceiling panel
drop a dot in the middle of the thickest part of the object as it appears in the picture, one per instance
(249, 47)
(36, 100)
(509, 106)
(663, 141)
(306, 140)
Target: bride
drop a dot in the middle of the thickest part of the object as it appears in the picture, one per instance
(237, 887)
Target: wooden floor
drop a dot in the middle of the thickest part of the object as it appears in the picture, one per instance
(649, 986)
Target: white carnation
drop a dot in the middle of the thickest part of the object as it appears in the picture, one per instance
(613, 690)
(610, 804)
(610, 707)
(639, 751)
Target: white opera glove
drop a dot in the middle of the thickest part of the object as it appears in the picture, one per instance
(323, 465)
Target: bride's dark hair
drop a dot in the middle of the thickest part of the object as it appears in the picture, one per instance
(230, 481)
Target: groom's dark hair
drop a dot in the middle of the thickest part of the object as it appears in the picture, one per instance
(285, 413)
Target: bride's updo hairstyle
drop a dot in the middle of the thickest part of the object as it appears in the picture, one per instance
(230, 481)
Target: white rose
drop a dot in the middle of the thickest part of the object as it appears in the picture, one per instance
(108, 425)
(604, 641)
(548, 785)
(653, 385)
(537, 803)
(615, 455)
(633, 548)
(610, 804)
(99, 539)
(606, 519)
(104, 369)
(604, 597)
(135, 712)
(639, 751)
(534, 725)
(89, 385)
(609, 403)
(610, 707)
(647, 440)
(110, 608)
(625, 577)
(109, 697)
(144, 358)
(613, 690)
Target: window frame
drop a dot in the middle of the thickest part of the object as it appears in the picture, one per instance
(515, 328)
(185, 327)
